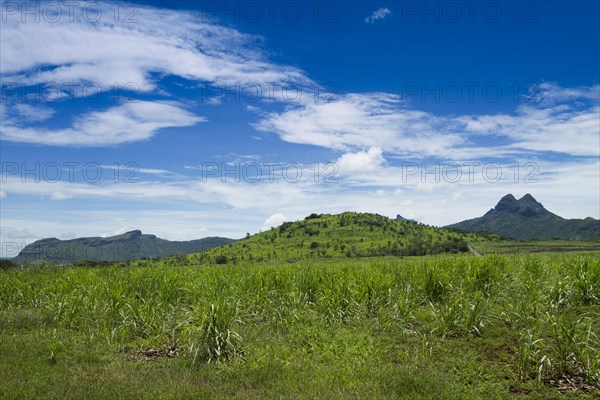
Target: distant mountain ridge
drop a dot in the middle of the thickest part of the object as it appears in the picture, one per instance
(128, 246)
(527, 219)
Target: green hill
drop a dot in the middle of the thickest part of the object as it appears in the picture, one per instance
(340, 236)
(128, 246)
(527, 219)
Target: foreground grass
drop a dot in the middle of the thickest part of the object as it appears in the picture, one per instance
(420, 328)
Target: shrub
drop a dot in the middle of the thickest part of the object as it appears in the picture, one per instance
(6, 264)
(312, 216)
(92, 264)
(221, 259)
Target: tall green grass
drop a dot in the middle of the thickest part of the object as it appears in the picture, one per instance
(548, 308)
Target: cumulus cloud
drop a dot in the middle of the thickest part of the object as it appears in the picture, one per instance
(377, 15)
(273, 220)
(361, 162)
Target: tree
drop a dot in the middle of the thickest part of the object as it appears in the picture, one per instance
(181, 259)
(221, 259)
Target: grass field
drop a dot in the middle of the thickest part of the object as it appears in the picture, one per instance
(435, 327)
(536, 246)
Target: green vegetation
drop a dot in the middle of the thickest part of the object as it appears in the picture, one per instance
(527, 219)
(498, 246)
(128, 246)
(346, 235)
(6, 264)
(433, 327)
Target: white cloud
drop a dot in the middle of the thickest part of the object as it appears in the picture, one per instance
(125, 123)
(544, 129)
(377, 15)
(2, 194)
(10, 232)
(134, 169)
(551, 93)
(60, 196)
(362, 121)
(33, 113)
(361, 162)
(119, 231)
(273, 221)
(161, 41)
(138, 55)
(302, 198)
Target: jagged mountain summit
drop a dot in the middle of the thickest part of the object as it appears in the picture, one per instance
(527, 219)
(128, 246)
(401, 218)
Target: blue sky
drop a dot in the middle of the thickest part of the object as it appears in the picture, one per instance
(403, 107)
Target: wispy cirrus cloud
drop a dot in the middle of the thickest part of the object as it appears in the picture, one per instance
(137, 55)
(160, 41)
(33, 113)
(541, 129)
(550, 93)
(382, 120)
(360, 121)
(128, 122)
(377, 15)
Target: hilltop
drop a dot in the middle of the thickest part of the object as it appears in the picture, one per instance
(527, 219)
(340, 236)
(128, 246)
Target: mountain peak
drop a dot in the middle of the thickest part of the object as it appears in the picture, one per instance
(507, 203)
(528, 206)
(133, 234)
(528, 197)
(508, 197)
(527, 219)
(529, 200)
